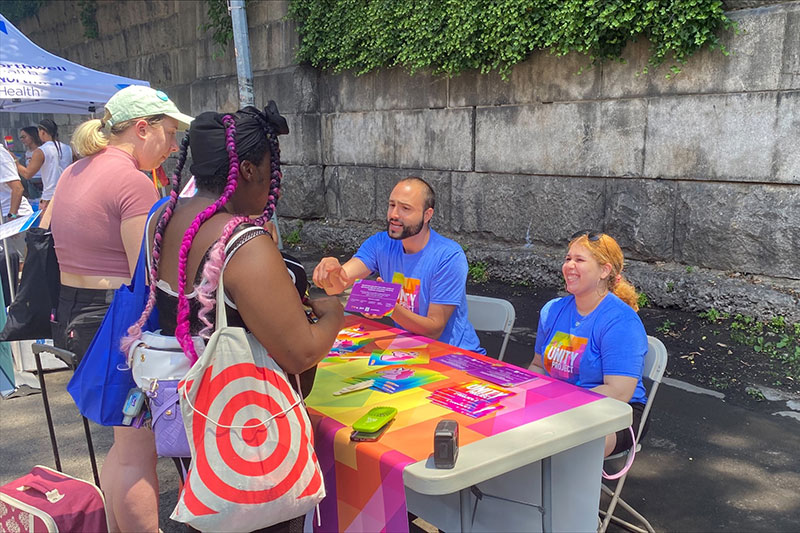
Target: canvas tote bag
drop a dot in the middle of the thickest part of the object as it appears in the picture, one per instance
(253, 460)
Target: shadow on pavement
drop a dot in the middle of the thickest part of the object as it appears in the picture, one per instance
(706, 465)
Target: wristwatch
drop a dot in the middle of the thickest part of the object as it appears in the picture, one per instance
(12, 216)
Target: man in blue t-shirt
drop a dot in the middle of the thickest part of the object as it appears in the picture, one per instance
(431, 269)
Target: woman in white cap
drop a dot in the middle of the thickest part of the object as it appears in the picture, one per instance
(98, 217)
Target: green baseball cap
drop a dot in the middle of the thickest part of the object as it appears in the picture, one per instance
(135, 101)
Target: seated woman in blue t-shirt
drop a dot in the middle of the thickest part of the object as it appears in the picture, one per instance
(594, 338)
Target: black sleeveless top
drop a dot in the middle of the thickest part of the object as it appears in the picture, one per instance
(167, 298)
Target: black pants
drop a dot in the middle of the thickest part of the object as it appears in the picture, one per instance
(78, 317)
(624, 439)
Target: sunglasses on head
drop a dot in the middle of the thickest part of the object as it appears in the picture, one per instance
(591, 235)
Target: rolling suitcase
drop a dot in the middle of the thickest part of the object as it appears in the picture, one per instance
(71, 360)
(47, 500)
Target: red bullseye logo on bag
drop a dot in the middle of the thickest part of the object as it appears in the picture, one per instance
(252, 444)
(242, 447)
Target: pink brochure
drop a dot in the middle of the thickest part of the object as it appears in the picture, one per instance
(373, 297)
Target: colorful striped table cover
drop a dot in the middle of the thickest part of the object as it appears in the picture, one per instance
(364, 481)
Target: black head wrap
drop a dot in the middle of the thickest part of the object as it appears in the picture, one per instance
(207, 136)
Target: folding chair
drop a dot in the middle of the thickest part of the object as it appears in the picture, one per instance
(492, 314)
(655, 363)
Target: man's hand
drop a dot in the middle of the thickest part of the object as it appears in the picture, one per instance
(330, 276)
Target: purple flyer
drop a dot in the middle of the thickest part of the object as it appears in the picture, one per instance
(498, 373)
(372, 297)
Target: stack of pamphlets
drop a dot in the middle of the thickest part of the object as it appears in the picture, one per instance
(474, 399)
(497, 372)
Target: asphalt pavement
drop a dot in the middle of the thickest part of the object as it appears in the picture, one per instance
(706, 465)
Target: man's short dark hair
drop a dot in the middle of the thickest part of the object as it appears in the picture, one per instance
(430, 196)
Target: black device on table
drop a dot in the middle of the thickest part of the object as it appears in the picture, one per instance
(445, 444)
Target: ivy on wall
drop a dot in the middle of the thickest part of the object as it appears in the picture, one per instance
(17, 10)
(219, 21)
(88, 16)
(452, 36)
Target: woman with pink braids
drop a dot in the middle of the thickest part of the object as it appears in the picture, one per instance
(98, 216)
(236, 165)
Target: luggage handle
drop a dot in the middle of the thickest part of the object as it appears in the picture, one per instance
(52, 495)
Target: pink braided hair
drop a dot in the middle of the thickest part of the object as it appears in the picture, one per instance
(214, 264)
(206, 291)
(182, 331)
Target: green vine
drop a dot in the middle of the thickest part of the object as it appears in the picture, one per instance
(453, 36)
(88, 15)
(219, 21)
(17, 10)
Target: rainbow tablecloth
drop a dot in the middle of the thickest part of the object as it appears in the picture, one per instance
(364, 481)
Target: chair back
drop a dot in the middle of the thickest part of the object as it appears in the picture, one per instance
(492, 314)
(655, 363)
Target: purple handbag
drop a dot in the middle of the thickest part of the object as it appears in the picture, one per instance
(170, 433)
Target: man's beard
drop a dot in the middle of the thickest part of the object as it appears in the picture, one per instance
(408, 231)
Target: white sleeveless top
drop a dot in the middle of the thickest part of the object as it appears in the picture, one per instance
(66, 156)
(51, 169)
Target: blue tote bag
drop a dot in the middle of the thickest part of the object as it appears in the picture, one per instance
(102, 380)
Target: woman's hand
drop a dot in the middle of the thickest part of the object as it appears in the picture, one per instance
(257, 280)
(537, 365)
(328, 305)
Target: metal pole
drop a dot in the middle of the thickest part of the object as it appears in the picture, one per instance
(11, 282)
(244, 71)
(241, 44)
(547, 495)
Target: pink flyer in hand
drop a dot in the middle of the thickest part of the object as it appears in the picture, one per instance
(372, 297)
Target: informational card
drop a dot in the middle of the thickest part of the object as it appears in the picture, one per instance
(498, 373)
(347, 345)
(393, 379)
(18, 225)
(397, 357)
(373, 297)
(475, 399)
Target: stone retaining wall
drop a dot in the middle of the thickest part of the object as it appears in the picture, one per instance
(698, 171)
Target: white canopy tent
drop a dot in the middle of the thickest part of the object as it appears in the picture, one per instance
(32, 80)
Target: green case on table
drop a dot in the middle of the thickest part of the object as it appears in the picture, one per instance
(376, 418)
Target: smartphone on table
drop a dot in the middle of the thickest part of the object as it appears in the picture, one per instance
(364, 436)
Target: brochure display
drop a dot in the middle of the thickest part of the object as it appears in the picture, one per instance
(366, 482)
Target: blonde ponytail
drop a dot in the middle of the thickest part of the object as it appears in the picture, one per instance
(626, 292)
(89, 138)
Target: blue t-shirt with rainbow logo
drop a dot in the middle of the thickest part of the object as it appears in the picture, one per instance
(610, 340)
(437, 274)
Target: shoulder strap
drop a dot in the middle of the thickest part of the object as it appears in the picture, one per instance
(153, 210)
(240, 238)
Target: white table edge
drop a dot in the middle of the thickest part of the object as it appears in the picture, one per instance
(517, 447)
